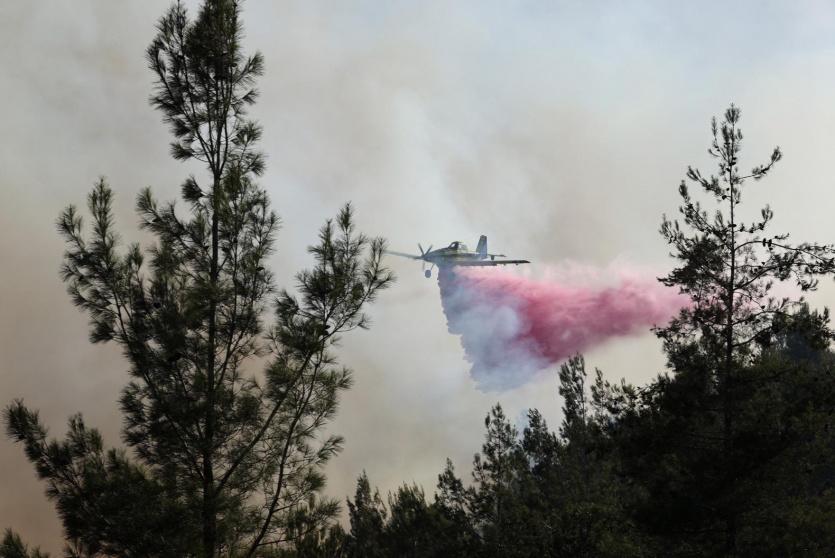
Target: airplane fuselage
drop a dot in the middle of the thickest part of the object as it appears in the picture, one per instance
(457, 254)
(453, 254)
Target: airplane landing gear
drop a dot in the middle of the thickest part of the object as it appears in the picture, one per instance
(427, 273)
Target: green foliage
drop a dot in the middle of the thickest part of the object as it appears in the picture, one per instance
(368, 516)
(728, 268)
(324, 542)
(668, 440)
(264, 439)
(409, 526)
(224, 459)
(13, 547)
(265, 442)
(534, 494)
(204, 85)
(708, 447)
(635, 471)
(108, 504)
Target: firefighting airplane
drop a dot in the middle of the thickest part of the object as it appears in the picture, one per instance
(458, 254)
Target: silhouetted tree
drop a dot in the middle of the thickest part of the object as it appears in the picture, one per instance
(367, 514)
(587, 497)
(108, 504)
(535, 494)
(693, 438)
(227, 461)
(13, 547)
(408, 527)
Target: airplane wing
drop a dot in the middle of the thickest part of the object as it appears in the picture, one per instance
(411, 256)
(481, 263)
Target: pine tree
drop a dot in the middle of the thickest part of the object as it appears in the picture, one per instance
(224, 459)
(13, 547)
(728, 269)
(586, 497)
(368, 518)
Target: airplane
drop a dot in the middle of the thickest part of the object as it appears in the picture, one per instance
(458, 254)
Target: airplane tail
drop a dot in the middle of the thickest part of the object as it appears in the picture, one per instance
(482, 246)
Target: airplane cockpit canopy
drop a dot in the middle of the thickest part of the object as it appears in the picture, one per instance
(457, 245)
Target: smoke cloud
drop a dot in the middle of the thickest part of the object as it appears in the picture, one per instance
(512, 327)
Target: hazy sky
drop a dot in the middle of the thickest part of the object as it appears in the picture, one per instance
(560, 130)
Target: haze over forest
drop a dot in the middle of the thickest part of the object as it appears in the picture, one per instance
(561, 131)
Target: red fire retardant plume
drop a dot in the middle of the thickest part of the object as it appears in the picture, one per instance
(513, 327)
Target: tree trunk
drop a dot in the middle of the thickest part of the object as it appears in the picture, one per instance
(209, 496)
(727, 395)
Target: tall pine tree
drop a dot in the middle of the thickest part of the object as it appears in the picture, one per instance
(728, 268)
(225, 459)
